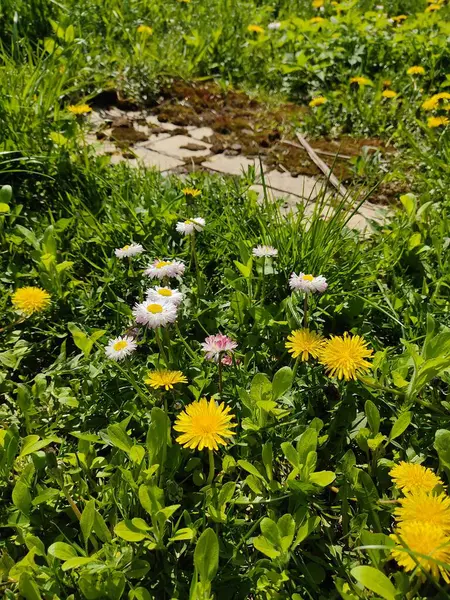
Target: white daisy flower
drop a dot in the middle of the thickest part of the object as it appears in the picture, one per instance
(165, 268)
(188, 227)
(308, 283)
(156, 293)
(129, 250)
(261, 251)
(154, 313)
(274, 25)
(120, 348)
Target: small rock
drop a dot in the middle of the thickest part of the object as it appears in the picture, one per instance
(194, 147)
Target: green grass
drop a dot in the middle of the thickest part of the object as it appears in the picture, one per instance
(99, 501)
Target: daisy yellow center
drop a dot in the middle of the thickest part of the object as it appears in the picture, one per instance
(188, 222)
(126, 247)
(162, 263)
(120, 345)
(307, 277)
(164, 292)
(30, 300)
(154, 308)
(345, 357)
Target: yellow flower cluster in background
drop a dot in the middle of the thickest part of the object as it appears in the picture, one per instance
(79, 109)
(422, 521)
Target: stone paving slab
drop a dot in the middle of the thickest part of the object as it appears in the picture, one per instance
(174, 146)
(200, 133)
(152, 159)
(302, 186)
(230, 165)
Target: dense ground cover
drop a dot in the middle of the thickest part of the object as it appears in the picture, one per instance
(305, 497)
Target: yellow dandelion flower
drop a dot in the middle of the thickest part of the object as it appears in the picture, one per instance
(425, 507)
(30, 300)
(317, 20)
(79, 109)
(255, 29)
(204, 424)
(442, 96)
(413, 478)
(430, 103)
(317, 101)
(387, 83)
(318, 3)
(164, 379)
(345, 356)
(146, 29)
(433, 8)
(430, 544)
(416, 71)
(389, 94)
(434, 122)
(399, 18)
(304, 343)
(362, 81)
(187, 191)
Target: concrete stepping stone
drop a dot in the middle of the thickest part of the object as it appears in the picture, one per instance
(150, 159)
(200, 133)
(177, 146)
(303, 185)
(230, 165)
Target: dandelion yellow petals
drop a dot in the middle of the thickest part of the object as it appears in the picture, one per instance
(345, 356)
(414, 478)
(204, 424)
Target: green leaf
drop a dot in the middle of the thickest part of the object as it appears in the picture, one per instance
(28, 588)
(291, 454)
(4, 208)
(140, 593)
(282, 381)
(305, 530)
(137, 454)
(270, 531)
(247, 466)
(400, 425)
(286, 528)
(152, 498)
(158, 436)
(78, 561)
(129, 532)
(261, 388)
(33, 443)
(322, 478)
(185, 533)
(375, 581)
(87, 520)
(119, 438)
(264, 546)
(62, 551)
(306, 444)
(373, 416)
(58, 138)
(246, 270)
(206, 555)
(442, 446)
(5, 194)
(21, 497)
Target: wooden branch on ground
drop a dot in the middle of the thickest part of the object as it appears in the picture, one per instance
(324, 152)
(322, 166)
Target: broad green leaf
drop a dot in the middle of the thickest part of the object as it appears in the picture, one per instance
(226, 493)
(375, 581)
(152, 498)
(291, 454)
(158, 436)
(246, 270)
(28, 587)
(78, 561)
(21, 497)
(185, 533)
(261, 388)
(286, 529)
(119, 438)
(442, 446)
(247, 466)
(129, 532)
(282, 381)
(32, 443)
(400, 425)
(140, 593)
(264, 546)
(5, 194)
(306, 529)
(270, 531)
(87, 520)
(373, 416)
(4, 208)
(62, 551)
(306, 444)
(322, 478)
(137, 453)
(206, 555)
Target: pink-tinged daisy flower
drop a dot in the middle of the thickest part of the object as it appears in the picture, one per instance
(263, 251)
(190, 225)
(227, 360)
(154, 313)
(308, 283)
(129, 250)
(165, 268)
(215, 345)
(156, 293)
(120, 347)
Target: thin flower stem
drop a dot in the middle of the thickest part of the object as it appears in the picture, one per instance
(305, 311)
(211, 467)
(263, 285)
(162, 352)
(183, 341)
(21, 320)
(294, 373)
(220, 376)
(164, 449)
(197, 269)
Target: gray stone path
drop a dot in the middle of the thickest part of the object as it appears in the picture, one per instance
(140, 139)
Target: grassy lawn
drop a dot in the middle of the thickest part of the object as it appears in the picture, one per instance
(204, 397)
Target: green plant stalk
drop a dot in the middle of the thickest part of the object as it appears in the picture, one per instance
(220, 375)
(211, 467)
(164, 449)
(162, 352)
(305, 311)
(196, 266)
